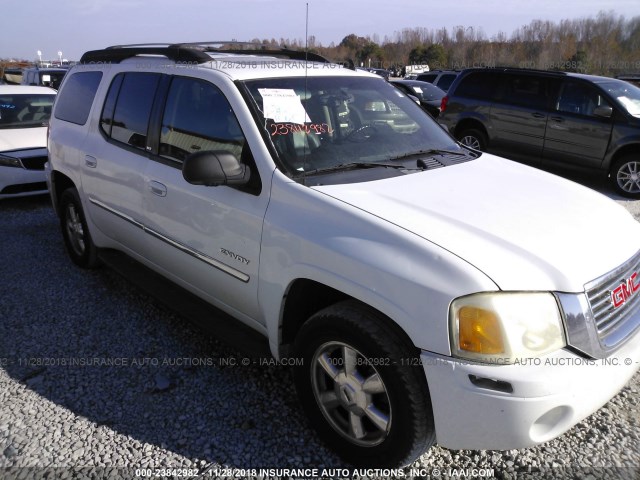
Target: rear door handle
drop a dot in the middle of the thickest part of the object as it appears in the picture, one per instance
(91, 162)
(557, 119)
(538, 115)
(157, 188)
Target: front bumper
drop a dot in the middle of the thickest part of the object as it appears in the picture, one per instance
(18, 182)
(521, 405)
(22, 172)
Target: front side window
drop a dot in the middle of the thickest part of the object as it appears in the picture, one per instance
(327, 122)
(580, 99)
(25, 111)
(125, 116)
(198, 117)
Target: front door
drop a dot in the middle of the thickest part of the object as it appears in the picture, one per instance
(205, 238)
(577, 133)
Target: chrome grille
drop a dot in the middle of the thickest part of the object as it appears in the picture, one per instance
(614, 325)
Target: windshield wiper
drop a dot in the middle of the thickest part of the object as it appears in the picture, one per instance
(429, 152)
(354, 165)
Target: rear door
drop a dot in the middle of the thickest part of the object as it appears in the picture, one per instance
(576, 132)
(519, 115)
(114, 162)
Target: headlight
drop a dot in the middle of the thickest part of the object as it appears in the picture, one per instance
(505, 327)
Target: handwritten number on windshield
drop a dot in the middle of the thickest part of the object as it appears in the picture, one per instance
(287, 128)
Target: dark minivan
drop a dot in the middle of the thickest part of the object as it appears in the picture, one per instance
(550, 119)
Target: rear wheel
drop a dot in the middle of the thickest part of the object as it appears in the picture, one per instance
(473, 138)
(362, 387)
(75, 232)
(625, 176)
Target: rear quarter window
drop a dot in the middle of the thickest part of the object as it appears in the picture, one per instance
(445, 81)
(75, 99)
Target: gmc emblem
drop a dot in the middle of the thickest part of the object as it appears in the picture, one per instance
(625, 290)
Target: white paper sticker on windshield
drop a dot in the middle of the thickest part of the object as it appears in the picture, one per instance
(46, 78)
(417, 89)
(282, 105)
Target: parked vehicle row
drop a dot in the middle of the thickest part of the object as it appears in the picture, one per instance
(45, 77)
(550, 119)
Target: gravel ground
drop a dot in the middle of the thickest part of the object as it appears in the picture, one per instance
(151, 409)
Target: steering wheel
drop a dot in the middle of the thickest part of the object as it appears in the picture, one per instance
(362, 133)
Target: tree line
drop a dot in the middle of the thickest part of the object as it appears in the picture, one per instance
(605, 44)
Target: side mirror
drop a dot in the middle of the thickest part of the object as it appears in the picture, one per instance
(215, 167)
(604, 111)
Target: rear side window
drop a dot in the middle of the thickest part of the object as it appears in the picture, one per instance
(480, 85)
(125, 116)
(75, 99)
(445, 81)
(527, 90)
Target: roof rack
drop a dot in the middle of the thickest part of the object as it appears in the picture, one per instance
(118, 53)
(195, 52)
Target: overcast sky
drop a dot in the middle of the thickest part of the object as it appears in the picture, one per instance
(74, 26)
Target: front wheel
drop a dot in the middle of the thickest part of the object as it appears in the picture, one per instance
(362, 387)
(625, 176)
(75, 231)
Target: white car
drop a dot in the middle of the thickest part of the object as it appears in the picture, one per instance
(424, 291)
(24, 116)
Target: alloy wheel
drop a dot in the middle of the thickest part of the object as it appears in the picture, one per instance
(351, 394)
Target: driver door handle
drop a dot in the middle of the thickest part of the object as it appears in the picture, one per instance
(157, 188)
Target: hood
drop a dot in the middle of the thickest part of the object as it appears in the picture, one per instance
(524, 228)
(21, 138)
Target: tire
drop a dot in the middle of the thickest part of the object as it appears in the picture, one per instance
(625, 176)
(75, 232)
(473, 138)
(396, 426)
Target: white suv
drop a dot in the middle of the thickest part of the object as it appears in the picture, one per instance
(428, 292)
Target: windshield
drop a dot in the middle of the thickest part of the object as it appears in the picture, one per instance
(626, 94)
(25, 111)
(52, 79)
(323, 122)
